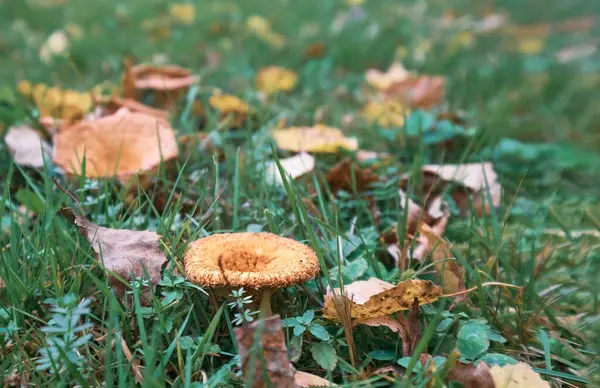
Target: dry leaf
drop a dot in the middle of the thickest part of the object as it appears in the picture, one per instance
(319, 138)
(347, 175)
(316, 50)
(519, 375)
(121, 144)
(184, 13)
(573, 53)
(471, 376)
(294, 166)
(271, 348)
(57, 103)
(395, 325)
(27, 146)
(274, 79)
(56, 44)
(304, 379)
(129, 254)
(413, 90)
(474, 178)
(376, 298)
(386, 113)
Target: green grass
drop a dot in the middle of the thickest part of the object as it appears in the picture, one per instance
(543, 140)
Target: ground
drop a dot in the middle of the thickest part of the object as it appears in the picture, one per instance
(519, 83)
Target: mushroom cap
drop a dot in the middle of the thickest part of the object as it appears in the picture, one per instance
(253, 260)
(162, 77)
(123, 143)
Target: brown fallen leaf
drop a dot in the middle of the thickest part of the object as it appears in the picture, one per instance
(128, 254)
(347, 175)
(27, 146)
(271, 348)
(376, 298)
(399, 326)
(121, 144)
(316, 50)
(304, 379)
(319, 139)
(520, 375)
(413, 90)
(474, 181)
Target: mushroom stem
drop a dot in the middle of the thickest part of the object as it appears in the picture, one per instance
(265, 303)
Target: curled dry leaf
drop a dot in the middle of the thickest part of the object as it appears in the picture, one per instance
(319, 138)
(269, 354)
(398, 326)
(347, 175)
(519, 375)
(27, 146)
(121, 144)
(376, 298)
(294, 167)
(304, 379)
(274, 79)
(128, 254)
(418, 91)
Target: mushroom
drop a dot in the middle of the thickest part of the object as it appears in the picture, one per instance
(260, 262)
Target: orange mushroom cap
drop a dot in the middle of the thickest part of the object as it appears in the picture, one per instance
(162, 77)
(121, 144)
(253, 260)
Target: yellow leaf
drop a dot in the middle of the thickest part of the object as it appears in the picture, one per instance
(531, 46)
(376, 298)
(383, 81)
(319, 138)
(184, 13)
(227, 103)
(273, 79)
(386, 113)
(520, 375)
(258, 25)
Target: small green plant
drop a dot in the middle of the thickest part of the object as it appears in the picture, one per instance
(244, 315)
(66, 335)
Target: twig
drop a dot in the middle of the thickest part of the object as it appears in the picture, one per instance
(70, 195)
(483, 285)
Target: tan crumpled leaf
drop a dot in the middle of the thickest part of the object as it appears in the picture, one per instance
(376, 298)
(413, 90)
(520, 375)
(319, 138)
(128, 254)
(271, 348)
(304, 379)
(27, 146)
(347, 175)
(294, 166)
(474, 179)
(274, 79)
(121, 144)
